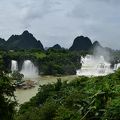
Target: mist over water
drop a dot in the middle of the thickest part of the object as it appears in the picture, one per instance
(29, 70)
(97, 64)
(94, 66)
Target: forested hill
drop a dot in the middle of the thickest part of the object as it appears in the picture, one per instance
(27, 41)
(24, 41)
(81, 43)
(2, 42)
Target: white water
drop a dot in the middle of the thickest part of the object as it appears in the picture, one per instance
(29, 70)
(14, 65)
(116, 66)
(94, 66)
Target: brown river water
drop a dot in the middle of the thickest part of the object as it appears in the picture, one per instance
(23, 96)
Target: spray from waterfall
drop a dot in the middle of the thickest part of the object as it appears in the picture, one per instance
(96, 64)
(29, 70)
(14, 65)
(116, 66)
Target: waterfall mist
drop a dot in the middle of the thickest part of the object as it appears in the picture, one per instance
(116, 66)
(14, 65)
(97, 64)
(29, 70)
(94, 66)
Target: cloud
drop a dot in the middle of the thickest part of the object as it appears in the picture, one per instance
(100, 20)
(53, 21)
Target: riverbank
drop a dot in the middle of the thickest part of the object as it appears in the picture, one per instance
(23, 96)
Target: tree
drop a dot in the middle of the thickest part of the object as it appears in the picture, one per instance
(7, 98)
(17, 76)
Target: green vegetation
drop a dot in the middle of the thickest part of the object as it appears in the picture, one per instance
(7, 98)
(60, 62)
(17, 76)
(50, 62)
(95, 98)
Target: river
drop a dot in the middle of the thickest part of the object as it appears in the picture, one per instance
(23, 96)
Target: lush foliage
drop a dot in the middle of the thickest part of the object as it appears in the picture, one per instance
(17, 76)
(60, 62)
(7, 98)
(95, 98)
(50, 62)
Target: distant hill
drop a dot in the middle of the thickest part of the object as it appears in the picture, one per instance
(81, 43)
(56, 47)
(27, 41)
(24, 41)
(2, 42)
(96, 44)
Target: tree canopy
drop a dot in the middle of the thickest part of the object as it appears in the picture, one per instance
(95, 98)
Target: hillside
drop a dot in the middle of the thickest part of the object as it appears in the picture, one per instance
(2, 42)
(81, 43)
(95, 98)
(56, 47)
(24, 41)
(27, 41)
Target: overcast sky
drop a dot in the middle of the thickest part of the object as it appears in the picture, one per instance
(60, 21)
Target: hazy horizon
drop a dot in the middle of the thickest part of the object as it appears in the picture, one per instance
(60, 22)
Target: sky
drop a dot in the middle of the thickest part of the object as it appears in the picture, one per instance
(61, 21)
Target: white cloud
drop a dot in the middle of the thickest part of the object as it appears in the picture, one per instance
(60, 21)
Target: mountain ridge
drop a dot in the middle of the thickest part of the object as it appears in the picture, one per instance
(26, 40)
(81, 43)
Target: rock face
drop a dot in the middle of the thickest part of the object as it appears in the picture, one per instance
(24, 41)
(81, 43)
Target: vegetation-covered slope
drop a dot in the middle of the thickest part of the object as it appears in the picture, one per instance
(24, 41)
(7, 98)
(51, 62)
(95, 98)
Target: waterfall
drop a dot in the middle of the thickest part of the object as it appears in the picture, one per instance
(29, 70)
(14, 65)
(116, 66)
(94, 66)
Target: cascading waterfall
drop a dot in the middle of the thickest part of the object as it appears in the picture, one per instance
(94, 66)
(14, 65)
(116, 66)
(29, 70)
